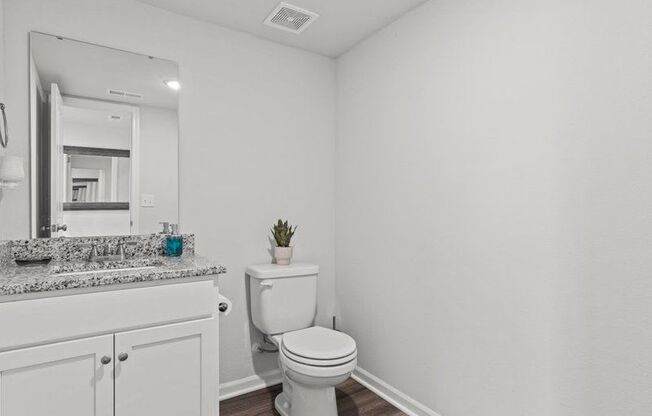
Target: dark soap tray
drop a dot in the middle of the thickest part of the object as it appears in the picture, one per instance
(33, 262)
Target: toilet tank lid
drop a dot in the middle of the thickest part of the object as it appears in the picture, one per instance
(273, 271)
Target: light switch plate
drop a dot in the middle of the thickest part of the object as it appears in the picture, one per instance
(147, 200)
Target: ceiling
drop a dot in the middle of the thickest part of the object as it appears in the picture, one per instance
(98, 118)
(342, 23)
(86, 70)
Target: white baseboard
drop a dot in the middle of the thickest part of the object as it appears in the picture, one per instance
(399, 399)
(249, 384)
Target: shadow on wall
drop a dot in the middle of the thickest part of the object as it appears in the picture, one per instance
(272, 244)
(255, 336)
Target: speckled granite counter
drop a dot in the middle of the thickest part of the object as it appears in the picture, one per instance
(70, 270)
(79, 248)
(16, 280)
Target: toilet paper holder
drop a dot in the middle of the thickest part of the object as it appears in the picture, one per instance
(224, 305)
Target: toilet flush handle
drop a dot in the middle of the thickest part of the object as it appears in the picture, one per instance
(267, 283)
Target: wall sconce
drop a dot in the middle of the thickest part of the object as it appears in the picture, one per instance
(11, 171)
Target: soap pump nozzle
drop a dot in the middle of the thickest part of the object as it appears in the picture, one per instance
(166, 227)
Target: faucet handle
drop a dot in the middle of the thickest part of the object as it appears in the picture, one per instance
(122, 245)
(93, 250)
(121, 250)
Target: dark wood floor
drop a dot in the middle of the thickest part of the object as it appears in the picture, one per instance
(353, 399)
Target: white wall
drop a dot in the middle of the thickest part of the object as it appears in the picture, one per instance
(159, 132)
(86, 223)
(96, 135)
(257, 140)
(493, 197)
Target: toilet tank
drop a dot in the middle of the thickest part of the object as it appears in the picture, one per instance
(283, 298)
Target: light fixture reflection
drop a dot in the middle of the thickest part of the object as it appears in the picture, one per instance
(173, 85)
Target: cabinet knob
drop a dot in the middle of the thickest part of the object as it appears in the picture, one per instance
(123, 356)
(105, 360)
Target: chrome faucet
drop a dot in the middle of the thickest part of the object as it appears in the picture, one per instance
(105, 249)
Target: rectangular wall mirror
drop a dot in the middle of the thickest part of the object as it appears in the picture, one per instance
(104, 139)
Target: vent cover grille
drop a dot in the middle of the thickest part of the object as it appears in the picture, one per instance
(291, 18)
(124, 94)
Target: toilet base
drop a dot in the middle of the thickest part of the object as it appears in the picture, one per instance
(307, 402)
(282, 405)
(308, 390)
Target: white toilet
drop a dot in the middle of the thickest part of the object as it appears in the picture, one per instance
(313, 359)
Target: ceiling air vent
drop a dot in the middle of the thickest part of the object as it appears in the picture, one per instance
(134, 95)
(124, 94)
(291, 18)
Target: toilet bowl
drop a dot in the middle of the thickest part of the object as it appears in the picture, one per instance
(312, 359)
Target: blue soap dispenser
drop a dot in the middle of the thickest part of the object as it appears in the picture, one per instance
(174, 242)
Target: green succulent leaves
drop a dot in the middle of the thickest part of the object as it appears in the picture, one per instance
(283, 233)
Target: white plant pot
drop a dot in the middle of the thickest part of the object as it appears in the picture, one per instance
(283, 255)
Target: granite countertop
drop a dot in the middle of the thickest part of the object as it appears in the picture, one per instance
(17, 280)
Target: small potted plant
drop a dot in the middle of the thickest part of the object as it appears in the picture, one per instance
(283, 233)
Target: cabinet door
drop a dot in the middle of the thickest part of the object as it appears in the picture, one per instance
(169, 370)
(63, 379)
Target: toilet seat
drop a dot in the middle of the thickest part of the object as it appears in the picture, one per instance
(318, 352)
(318, 372)
(318, 344)
(316, 362)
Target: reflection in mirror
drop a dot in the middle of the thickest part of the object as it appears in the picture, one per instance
(104, 139)
(95, 174)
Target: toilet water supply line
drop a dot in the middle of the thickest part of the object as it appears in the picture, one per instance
(267, 346)
(224, 305)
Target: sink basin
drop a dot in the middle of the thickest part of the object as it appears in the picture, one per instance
(105, 266)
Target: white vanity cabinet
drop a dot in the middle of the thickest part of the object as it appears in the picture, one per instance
(162, 371)
(128, 352)
(65, 378)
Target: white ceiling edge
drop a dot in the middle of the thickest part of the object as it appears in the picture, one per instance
(342, 25)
